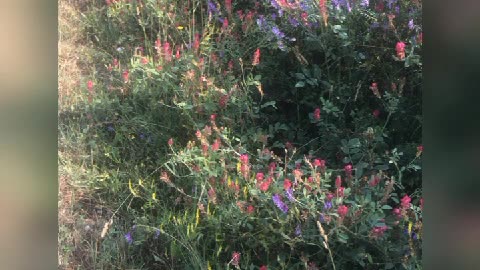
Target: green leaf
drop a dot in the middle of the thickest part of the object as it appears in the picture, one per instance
(358, 172)
(362, 165)
(383, 167)
(386, 207)
(300, 84)
(369, 257)
(270, 103)
(414, 167)
(380, 224)
(157, 259)
(343, 237)
(300, 76)
(355, 142)
(310, 82)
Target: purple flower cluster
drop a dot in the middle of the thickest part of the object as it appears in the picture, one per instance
(303, 5)
(390, 3)
(279, 203)
(339, 4)
(327, 205)
(212, 8)
(365, 3)
(279, 34)
(298, 230)
(289, 193)
(294, 22)
(321, 218)
(277, 7)
(129, 238)
(275, 4)
(410, 24)
(261, 22)
(336, 4)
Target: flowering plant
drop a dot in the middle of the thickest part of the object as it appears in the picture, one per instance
(263, 134)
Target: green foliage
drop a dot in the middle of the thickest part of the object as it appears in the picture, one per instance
(203, 133)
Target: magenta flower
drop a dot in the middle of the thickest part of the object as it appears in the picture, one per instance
(400, 48)
(316, 114)
(244, 159)
(319, 163)
(235, 258)
(348, 169)
(405, 202)
(397, 212)
(338, 181)
(90, 86)
(342, 211)
(125, 76)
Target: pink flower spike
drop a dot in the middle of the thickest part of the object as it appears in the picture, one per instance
(405, 202)
(400, 47)
(287, 184)
(256, 57)
(397, 212)
(244, 159)
(125, 76)
(342, 211)
(228, 6)
(348, 169)
(177, 55)
(90, 86)
(338, 181)
(316, 114)
(235, 258)
(225, 23)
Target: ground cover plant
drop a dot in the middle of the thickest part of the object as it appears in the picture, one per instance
(251, 134)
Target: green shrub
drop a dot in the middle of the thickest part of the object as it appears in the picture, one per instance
(268, 135)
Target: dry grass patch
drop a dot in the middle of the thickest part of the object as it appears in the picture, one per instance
(79, 218)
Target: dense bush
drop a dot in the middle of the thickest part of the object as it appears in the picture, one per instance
(255, 134)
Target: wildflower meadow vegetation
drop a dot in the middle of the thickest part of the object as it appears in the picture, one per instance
(269, 134)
